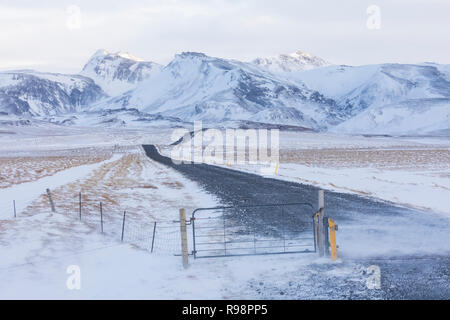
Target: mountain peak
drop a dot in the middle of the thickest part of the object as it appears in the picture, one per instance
(118, 72)
(102, 53)
(129, 56)
(190, 54)
(300, 54)
(297, 61)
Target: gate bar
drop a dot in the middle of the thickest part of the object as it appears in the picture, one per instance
(192, 220)
(253, 206)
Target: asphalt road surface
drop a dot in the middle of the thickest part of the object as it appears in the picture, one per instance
(404, 276)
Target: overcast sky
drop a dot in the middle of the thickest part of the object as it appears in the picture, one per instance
(61, 35)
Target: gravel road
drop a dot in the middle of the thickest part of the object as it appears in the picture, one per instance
(380, 224)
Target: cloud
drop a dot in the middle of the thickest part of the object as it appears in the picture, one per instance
(155, 30)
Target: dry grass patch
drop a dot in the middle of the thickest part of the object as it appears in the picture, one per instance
(174, 185)
(148, 186)
(15, 170)
(123, 184)
(409, 159)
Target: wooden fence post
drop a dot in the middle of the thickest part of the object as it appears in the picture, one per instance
(184, 243)
(52, 205)
(321, 228)
(79, 203)
(153, 236)
(123, 225)
(101, 217)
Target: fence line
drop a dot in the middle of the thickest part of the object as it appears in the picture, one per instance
(160, 236)
(156, 236)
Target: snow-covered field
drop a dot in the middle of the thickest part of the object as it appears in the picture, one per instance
(409, 171)
(38, 246)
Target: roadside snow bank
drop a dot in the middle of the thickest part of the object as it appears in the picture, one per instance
(423, 190)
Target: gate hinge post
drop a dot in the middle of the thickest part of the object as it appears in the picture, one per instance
(321, 227)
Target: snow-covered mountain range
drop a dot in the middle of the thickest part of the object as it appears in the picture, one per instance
(36, 94)
(386, 98)
(295, 89)
(297, 61)
(198, 87)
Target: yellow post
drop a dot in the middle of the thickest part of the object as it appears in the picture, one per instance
(333, 245)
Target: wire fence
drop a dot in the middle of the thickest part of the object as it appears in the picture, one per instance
(152, 235)
(155, 236)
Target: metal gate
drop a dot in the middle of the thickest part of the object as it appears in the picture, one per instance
(253, 230)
